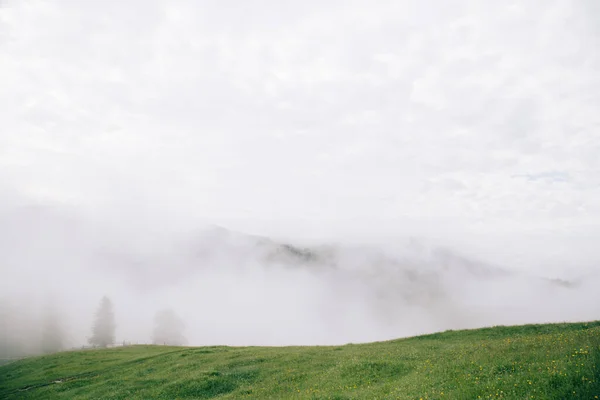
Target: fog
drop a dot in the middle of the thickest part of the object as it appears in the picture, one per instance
(239, 289)
(307, 173)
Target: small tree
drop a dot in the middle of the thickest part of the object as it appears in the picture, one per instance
(103, 331)
(168, 328)
(52, 334)
(9, 345)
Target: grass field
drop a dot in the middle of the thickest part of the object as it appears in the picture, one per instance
(555, 361)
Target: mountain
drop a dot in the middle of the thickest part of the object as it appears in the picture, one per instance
(238, 288)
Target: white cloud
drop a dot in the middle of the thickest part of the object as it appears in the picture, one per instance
(332, 113)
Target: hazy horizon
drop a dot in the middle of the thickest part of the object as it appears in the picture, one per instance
(403, 141)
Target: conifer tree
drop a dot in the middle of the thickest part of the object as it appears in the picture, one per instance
(103, 331)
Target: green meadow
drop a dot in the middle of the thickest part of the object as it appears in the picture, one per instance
(552, 361)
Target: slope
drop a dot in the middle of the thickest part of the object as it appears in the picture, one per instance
(552, 361)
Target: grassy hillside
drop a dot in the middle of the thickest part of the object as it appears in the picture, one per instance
(558, 361)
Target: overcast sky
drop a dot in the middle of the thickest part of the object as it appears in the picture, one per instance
(471, 116)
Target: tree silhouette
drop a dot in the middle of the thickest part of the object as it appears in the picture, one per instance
(103, 331)
(168, 328)
(52, 334)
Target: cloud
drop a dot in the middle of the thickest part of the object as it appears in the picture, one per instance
(471, 124)
(550, 176)
(326, 98)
